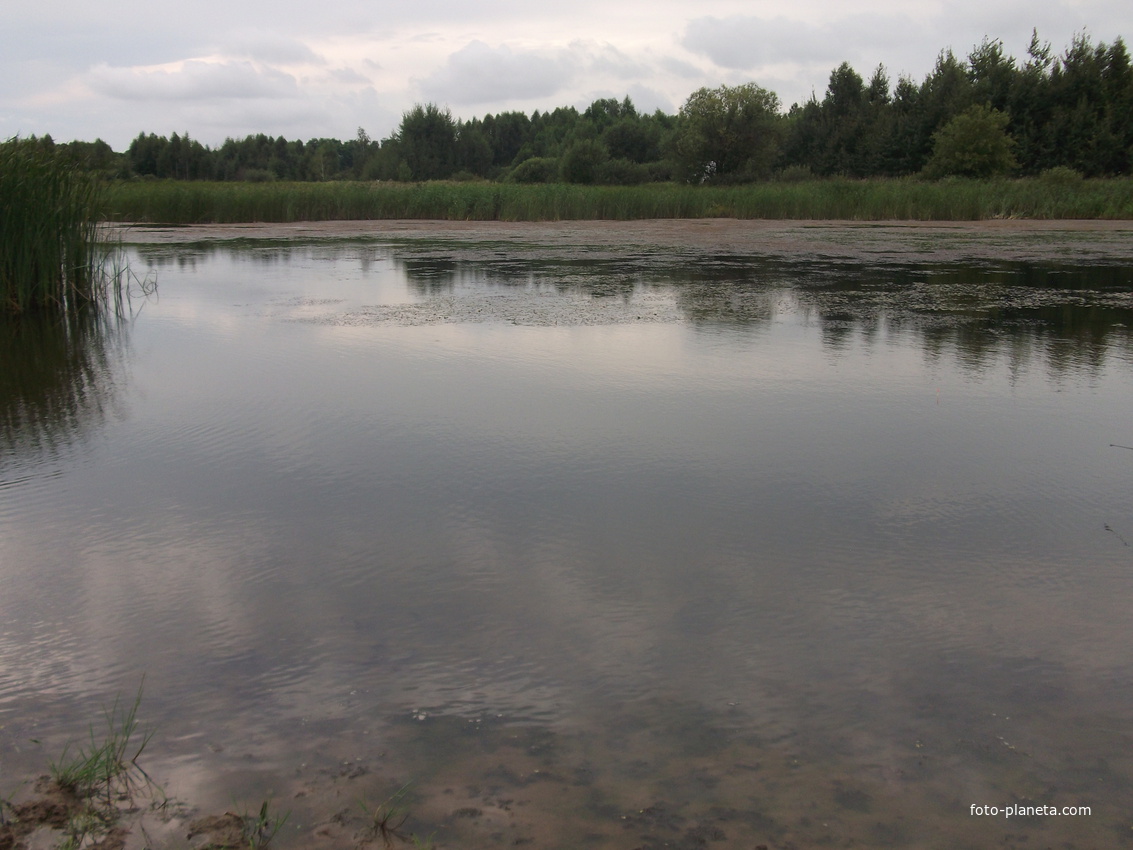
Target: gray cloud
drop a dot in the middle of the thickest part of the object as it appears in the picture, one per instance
(743, 43)
(271, 48)
(349, 77)
(193, 81)
(607, 59)
(679, 68)
(478, 73)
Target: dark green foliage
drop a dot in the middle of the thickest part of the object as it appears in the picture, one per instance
(96, 157)
(638, 140)
(178, 156)
(605, 112)
(846, 134)
(1075, 111)
(582, 161)
(428, 142)
(473, 150)
(992, 75)
(973, 144)
(507, 133)
(622, 172)
(538, 169)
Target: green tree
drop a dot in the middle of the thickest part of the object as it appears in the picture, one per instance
(993, 75)
(143, 153)
(507, 132)
(326, 163)
(728, 133)
(581, 162)
(973, 144)
(635, 139)
(844, 111)
(944, 94)
(1030, 108)
(473, 150)
(363, 147)
(428, 142)
(537, 169)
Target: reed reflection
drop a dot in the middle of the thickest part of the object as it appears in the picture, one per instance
(60, 379)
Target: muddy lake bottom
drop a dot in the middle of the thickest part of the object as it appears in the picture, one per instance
(610, 535)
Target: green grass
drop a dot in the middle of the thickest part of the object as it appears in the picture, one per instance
(260, 829)
(107, 769)
(103, 776)
(184, 202)
(51, 256)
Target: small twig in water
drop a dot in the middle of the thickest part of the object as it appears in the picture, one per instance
(1116, 446)
(1115, 534)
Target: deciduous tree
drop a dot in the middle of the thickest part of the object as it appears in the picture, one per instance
(973, 144)
(728, 133)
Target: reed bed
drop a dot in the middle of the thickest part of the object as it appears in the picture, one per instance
(182, 202)
(51, 256)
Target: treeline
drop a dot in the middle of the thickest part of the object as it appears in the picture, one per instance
(988, 115)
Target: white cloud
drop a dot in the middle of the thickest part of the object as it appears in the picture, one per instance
(349, 77)
(193, 80)
(478, 73)
(270, 48)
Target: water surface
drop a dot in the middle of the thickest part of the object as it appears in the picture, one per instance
(614, 551)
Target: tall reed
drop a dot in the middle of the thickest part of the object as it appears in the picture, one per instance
(50, 254)
(184, 202)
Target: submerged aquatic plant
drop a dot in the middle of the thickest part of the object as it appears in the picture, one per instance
(51, 255)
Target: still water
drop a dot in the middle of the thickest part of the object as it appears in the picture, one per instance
(618, 552)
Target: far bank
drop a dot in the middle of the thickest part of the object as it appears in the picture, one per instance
(898, 199)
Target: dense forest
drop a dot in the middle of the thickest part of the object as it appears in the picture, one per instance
(989, 115)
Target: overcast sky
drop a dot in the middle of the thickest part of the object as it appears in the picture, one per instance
(81, 70)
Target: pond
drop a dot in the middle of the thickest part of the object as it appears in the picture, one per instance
(612, 549)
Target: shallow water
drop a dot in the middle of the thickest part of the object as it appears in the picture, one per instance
(627, 551)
